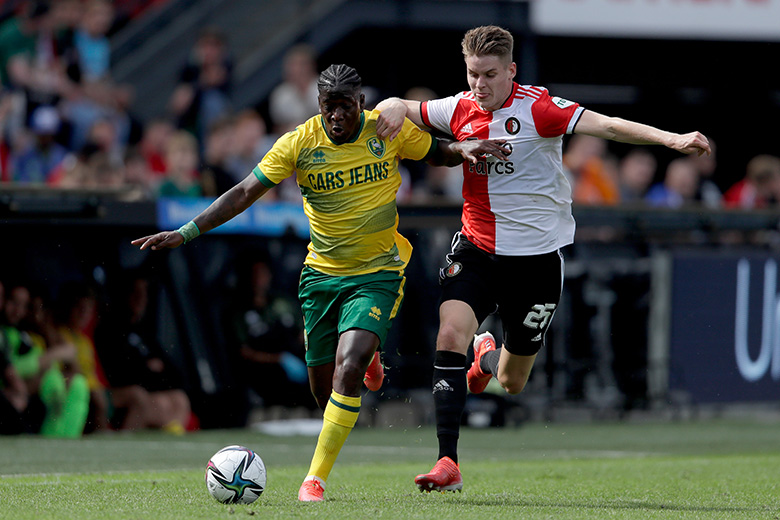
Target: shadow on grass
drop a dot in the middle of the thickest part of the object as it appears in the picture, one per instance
(511, 500)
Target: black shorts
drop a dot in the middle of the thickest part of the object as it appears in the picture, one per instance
(524, 290)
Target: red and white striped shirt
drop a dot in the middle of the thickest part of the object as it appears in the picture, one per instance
(521, 206)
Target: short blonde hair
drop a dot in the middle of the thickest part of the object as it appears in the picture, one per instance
(182, 140)
(488, 40)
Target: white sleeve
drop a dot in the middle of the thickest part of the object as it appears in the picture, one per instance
(437, 113)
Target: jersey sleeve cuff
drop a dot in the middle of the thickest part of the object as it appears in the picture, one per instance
(432, 149)
(574, 120)
(265, 181)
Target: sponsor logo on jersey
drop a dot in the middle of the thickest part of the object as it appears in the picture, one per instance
(325, 181)
(376, 147)
(485, 167)
(512, 126)
(375, 313)
(561, 103)
(466, 129)
(318, 157)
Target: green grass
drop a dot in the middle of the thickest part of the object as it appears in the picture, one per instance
(712, 469)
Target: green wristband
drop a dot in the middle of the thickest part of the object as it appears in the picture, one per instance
(189, 231)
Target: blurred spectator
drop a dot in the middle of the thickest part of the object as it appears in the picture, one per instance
(106, 173)
(593, 182)
(708, 193)
(90, 168)
(60, 405)
(18, 35)
(77, 169)
(91, 41)
(136, 364)
(154, 143)
(38, 161)
(22, 413)
(636, 172)
(104, 136)
(14, 398)
(74, 317)
(216, 152)
(295, 99)
(678, 187)
(266, 331)
(249, 142)
(760, 188)
(138, 177)
(30, 57)
(203, 93)
(6, 130)
(182, 178)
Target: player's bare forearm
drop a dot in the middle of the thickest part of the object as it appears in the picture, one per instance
(624, 131)
(452, 153)
(228, 205)
(234, 201)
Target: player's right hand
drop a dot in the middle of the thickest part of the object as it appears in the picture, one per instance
(162, 240)
(391, 121)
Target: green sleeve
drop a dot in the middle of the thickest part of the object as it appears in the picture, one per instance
(265, 181)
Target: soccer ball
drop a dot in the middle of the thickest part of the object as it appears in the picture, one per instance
(235, 475)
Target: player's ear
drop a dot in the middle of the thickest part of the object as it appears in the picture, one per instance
(512, 69)
(362, 101)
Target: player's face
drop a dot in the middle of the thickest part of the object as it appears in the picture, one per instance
(341, 114)
(490, 79)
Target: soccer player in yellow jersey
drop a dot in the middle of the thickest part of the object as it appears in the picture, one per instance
(352, 282)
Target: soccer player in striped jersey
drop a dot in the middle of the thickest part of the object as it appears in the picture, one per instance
(516, 218)
(352, 282)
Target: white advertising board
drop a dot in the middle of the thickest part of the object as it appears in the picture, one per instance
(684, 19)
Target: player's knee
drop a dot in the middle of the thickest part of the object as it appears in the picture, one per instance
(512, 385)
(452, 338)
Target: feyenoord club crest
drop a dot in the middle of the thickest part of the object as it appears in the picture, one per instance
(453, 269)
(376, 147)
(512, 125)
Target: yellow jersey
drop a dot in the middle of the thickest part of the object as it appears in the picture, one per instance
(349, 192)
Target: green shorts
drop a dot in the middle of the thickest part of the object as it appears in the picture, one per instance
(334, 304)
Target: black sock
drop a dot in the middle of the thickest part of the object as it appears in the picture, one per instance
(449, 396)
(489, 362)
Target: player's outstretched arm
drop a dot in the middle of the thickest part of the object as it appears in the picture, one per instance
(452, 153)
(394, 111)
(227, 206)
(624, 131)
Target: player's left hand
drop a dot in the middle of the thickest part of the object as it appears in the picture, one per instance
(694, 142)
(162, 240)
(471, 150)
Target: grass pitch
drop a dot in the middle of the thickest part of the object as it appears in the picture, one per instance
(712, 469)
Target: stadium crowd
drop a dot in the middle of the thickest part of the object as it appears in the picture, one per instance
(65, 123)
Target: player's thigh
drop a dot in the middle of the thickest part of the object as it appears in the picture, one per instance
(320, 300)
(469, 277)
(372, 302)
(528, 299)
